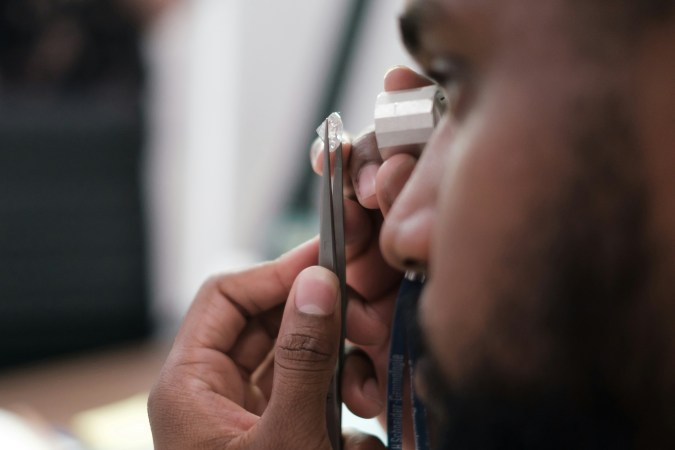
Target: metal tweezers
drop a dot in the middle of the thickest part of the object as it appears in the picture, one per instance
(404, 345)
(332, 257)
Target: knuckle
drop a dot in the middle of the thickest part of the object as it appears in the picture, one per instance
(364, 149)
(210, 284)
(303, 351)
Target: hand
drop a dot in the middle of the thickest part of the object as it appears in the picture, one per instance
(250, 370)
(375, 183)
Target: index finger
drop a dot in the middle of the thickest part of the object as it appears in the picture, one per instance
(224, 303)
(402, 77)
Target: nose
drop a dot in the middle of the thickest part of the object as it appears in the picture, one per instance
(405, 237)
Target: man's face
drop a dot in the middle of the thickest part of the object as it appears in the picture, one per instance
(533, 197)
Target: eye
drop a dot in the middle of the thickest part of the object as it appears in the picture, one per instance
(451, 73)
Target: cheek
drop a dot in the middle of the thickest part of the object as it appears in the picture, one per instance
(495, 180)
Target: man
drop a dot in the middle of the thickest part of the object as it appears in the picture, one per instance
(542, 211)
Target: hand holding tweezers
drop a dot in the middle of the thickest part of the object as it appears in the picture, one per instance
(332, 255)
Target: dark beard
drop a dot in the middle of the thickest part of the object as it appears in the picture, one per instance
(491, 420)
(588, 276)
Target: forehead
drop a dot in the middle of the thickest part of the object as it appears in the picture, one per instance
(462, 14)
(440, 10)
(453, 12)
(480, 28)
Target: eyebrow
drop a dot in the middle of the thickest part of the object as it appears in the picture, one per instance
(418, 16)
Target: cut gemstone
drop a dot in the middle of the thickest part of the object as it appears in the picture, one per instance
(334, 122)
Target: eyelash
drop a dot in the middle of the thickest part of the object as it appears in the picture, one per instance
(450, 73)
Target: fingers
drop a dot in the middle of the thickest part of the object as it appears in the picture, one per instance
(367, 321)
(361, 391)
(359, 441)
(364, 163)
(316, 153)
(362, 154)
(362, 158)
(251, 348)
(359, 229)
(392, 177)
(203, 394)
(218, 315)
(402, 77)
(195, 405)
(304, 363)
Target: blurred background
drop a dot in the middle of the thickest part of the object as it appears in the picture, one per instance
(145, 145)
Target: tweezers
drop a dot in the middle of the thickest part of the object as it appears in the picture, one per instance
(332, 257)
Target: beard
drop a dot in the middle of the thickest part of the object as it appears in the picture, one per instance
(487, 419)
(587, 276)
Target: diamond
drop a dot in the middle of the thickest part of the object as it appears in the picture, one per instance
(334, 122)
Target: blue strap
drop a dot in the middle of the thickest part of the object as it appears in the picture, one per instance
(404, 348)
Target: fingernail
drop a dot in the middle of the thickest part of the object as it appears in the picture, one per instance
(394, 69)
(365, 184)
(316, 292)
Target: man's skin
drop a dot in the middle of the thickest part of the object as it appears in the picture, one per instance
(542, 211)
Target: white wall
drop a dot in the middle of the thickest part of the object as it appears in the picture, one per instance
(233, 87)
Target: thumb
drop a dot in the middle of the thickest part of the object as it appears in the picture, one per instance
(304, 363)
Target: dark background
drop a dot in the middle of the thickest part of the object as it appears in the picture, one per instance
(72, 254)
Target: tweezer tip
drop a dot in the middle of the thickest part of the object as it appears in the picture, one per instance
(330, 131)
